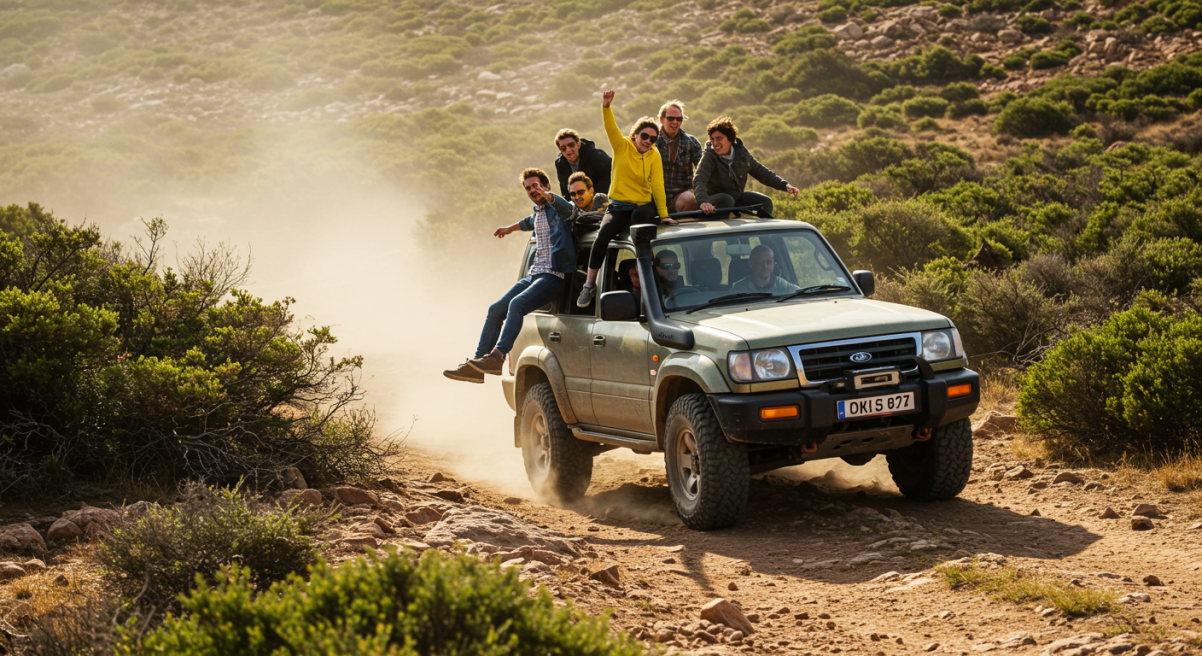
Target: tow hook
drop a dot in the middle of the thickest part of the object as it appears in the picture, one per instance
(812, 447)
(922, 434)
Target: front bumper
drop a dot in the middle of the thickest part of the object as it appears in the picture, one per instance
(739, 414)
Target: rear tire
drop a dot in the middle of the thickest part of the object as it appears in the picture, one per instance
(937, 469)
(558, 465)
(708, 476)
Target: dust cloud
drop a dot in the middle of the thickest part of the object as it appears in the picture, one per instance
(346, 249)
(837, 476)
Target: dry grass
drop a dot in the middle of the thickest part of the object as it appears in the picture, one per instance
(26, 599)
(1182, 474)
(1025, 587)
(999, 391)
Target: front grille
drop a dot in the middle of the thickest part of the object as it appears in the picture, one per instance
(818, 363)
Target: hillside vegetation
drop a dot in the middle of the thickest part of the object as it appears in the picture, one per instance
(1060, 137)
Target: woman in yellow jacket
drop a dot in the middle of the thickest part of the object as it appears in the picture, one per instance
(636, 190)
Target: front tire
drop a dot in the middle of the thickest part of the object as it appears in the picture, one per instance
(708, 476)
(558, 465)
(937, 469)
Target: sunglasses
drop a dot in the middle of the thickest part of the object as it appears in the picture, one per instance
(648, 136)
(668, 266)
(574, 194)
(675, 119)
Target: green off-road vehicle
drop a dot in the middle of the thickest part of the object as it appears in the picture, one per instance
(728, 381)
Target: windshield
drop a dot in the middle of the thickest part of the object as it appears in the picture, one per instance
(749, 267)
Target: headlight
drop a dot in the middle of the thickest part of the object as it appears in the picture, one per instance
(772, 364)
(740, 367)
(941, 345)
(759, 366)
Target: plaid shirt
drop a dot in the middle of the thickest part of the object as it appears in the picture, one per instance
(542, 245)
(678, 175)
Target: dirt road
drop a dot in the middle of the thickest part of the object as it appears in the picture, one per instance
(842, 563)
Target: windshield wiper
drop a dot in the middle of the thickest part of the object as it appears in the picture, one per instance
(731, 297)
(816, 289)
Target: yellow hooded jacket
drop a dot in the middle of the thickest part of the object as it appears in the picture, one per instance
(637, 177)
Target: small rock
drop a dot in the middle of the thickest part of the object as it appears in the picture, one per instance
(721, 611)
(353, 496)
(422, 515)
(881, 42)
(1152, 580)
(369, 528)
(984, 647)
(1017, 640)
(1094, 485)
(394, 505)
(1141, 524)
(1010, 36)
(486, 76)
(34, 565)
(21, 537)
(1037, 485)
(732, 586)
(308, 497)
(1034, 513)
(1109, 513)
(359, 541)
(1073, 643)
(1068, 477)
(11, 570)
(1018, 473)
(437, 477)
(610, 576)
(1195, 527)
(63, 529)
(931, 647)
(1146, 510)
(1135, 597)
(62, 581)
(849, 31)
(513, 501)
(454, 496)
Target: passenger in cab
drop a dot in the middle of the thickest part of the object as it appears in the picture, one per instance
(554, 257)
(580, 190)
(667, 273)
(722, 175)
(763, 278)
(580, 155)
(681, 153)
(636, 194)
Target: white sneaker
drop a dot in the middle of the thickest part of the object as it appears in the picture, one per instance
(586, 294)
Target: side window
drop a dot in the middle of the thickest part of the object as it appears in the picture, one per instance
(575, 283)
(617, 270)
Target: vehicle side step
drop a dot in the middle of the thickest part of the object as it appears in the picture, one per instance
(634, 441)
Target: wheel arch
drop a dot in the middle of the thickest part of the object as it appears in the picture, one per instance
(684, 373)
(537, 365)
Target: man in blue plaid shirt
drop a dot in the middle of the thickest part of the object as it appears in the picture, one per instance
(681, 153)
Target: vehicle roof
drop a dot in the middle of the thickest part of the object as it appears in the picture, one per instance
(709, 227)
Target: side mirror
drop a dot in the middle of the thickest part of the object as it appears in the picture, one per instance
(618, 306)
(865, 282)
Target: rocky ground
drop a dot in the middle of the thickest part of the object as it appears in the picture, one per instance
(838, 563)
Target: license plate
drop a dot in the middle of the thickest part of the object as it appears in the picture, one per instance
(877, 406)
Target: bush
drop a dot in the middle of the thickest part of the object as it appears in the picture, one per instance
(1034, 117)
(1049, 59)
(1033, 24)
(811, 37)
(960, 92)
(825, 111)
(974, 107)
(884, 118)
(158, 555)
(927, 124)
(1009, 318)
(771, 133)
(383, 604)
(950, 11)
(1128, 386)
(921, 106)
(897, 94)
(570, 85)
(836, 14)
(893, 236)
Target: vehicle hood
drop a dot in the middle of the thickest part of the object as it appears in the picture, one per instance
(820, 320)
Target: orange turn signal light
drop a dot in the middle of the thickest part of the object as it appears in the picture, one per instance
(959, 390)
(778, 412)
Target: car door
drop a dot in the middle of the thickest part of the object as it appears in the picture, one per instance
(621, 365)
(568, 334)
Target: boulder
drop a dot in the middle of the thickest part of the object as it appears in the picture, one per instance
(91, 514)
(384, 524)
(1068, 477)
(353, 496)
(1141, 524)
(890, 28)
(358, 541)
(721, 611)
(609, 575)
(1016, 641)
(293, 478)
(881, 42)
(1109, 513)
(438, 477)
(1152, 580)
(500, 529)
(423, 515)
(994, 422)
(369, 528)
(63, 529)
(1146, 510)
(848, 32)
(308, 497)
(1010, 36)
(11, 570)
(21, 537)
(1018, 473)
(1075, 642)
(454, 496)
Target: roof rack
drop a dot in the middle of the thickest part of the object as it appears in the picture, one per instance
(719, 214)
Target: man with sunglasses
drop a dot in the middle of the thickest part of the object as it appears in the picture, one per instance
(580, 155)
(554, 257)
(681, 153)
(667, 271)
(580, 190)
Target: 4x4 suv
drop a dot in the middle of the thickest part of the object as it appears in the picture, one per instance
(728, 381)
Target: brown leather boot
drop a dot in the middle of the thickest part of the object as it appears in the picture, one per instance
(489, 364)
(464, 372)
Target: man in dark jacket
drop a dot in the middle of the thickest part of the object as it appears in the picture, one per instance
(721, 177)
(554, 258)
(576, 154)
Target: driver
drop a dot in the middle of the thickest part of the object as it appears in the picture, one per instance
(667, 270)
(763, 263)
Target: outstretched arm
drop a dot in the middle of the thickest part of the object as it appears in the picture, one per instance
(617, 140)
(504, 230)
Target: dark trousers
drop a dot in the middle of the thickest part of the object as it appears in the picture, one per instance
(615, 221)
(720, 201)
(506, 315)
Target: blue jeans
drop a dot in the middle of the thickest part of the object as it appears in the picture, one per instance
(505, 316)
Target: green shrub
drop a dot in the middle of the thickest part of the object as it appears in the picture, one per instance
(570, 85)
(158, 555)
(933, 169)
(1009, 318)
(269, 78)
(1015, 61)
(950, 11)
(974, 107)
(824, 111)
(831, 71)
(1034, 117)
(836, 14)
(1033, 24)
(771, 132)
(880, 117)
(1085, 131)
(1036, 6)
(1081, 19)
(810, 37)
(1049, 59)
(1001, 101)
(921, 106)
(384, 604)
(897, 94)
(1128, 386)
(892, 236)
(959, 92)
(927, 124)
